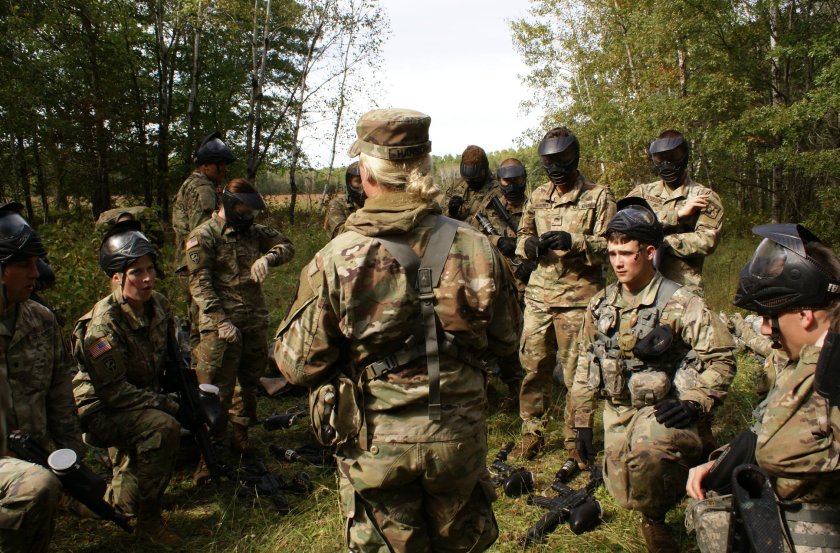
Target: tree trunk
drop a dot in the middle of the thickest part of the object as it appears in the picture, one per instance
(776, 175)
(258, 80)
(39, 174)
(23, 174)
(191, 103)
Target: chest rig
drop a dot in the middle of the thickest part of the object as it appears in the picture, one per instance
(614, 367)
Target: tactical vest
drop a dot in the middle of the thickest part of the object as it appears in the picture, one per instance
(614, 368)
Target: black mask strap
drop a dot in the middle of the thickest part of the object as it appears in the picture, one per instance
(776, 333)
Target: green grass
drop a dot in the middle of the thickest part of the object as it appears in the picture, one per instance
(216, 520)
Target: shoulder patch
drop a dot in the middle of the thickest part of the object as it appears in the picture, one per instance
(712, 209)
(191, 243)
(99, 348)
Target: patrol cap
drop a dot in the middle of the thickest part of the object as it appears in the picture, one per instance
(393, 134)
(636, 219)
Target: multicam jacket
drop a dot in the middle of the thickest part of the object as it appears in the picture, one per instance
(120, 355)
(355, 306)
(195, 202)
(690, 239)
(568, 279)
(799, 437)
(695, 328)
(475, 201)
(36, 368)
(219, 260)
(338, 210)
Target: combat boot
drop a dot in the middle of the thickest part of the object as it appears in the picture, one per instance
(202, 474)
(530, 446)
(150, 526)
(509, 403)
(657, 537)
(239, 442)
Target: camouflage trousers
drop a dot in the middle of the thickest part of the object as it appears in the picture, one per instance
(646, 464)
(548, 335)
(192, 309)
(235, 368)
(146, 442)
(29, 496)
(413, 498)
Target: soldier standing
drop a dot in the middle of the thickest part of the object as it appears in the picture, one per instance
(120, 348)
(341, 207)
(562, 230)
(195, 202)
(37, 393)
(228, 257)
(469, 196)
(691, 214)
(635, 335)
(412, 473)
(793, 282)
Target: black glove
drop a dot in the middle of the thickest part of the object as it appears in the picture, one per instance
(455, 203)
(507, 245)
(556, 240)
(533, 248)
(583, 444)
(677, 413)
(523, 272)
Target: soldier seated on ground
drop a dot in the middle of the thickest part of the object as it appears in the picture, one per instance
(793, 282)
(120, 348)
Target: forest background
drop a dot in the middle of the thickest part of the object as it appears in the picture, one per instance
(102, 103)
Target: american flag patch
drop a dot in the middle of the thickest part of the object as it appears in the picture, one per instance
(191, 243)
(97, 349)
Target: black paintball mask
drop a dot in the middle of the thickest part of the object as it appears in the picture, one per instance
(671, 171)
(475, 175)
(18, 240)
(238, 218)
(356, 195)
(561, 173)
(512, 180)
(781, 277)
(636, 220)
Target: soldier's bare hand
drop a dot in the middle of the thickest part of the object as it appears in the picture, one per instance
(259, 270)
(693, 205)
(228, 332)
(694, 486)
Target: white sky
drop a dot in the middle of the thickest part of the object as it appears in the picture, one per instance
(454, 60)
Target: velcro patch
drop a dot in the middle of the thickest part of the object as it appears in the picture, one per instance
(99, 348)
(192, 242)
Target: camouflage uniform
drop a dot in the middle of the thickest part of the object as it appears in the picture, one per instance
(645, 463)
(35, 368)
(121, 360)
(420, 482)
(219, 260)
(689, 240)
(475, 201)
(338, 210)
(559, 289)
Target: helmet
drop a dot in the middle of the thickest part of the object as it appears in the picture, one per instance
(635, 219)
(475, 174)
(213, 150)
(356, 196)
(122, 246)
(18, 240)
(670, 171)
(239, 221)
(561, 173)
(780, 276)
(514, 191)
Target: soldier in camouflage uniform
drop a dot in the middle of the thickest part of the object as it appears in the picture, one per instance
(120, 346)
(469, 196)
(635, 336)
(194, 203)
(37, 398)
(341, 207)
(228, 257)
(691, 214)
(148, 217)
(562, 230)
(412, 473)
(793, 282)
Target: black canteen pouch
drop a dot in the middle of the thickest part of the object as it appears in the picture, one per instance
(655, 343)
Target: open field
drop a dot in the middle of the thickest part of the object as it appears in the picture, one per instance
(215, 520)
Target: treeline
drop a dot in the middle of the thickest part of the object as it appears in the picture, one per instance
(755, 84)
(107, 97)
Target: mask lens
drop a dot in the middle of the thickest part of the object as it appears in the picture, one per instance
(768, 260)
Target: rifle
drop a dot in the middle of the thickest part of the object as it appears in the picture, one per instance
(486, 225)
(579, 507)
(81, 483)
(276, 421)
(497, 206)
(257, 481)
(200, 410)
(515, 481)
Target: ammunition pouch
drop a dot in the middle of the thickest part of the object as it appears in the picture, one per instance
(648, 387)
(336, 412)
